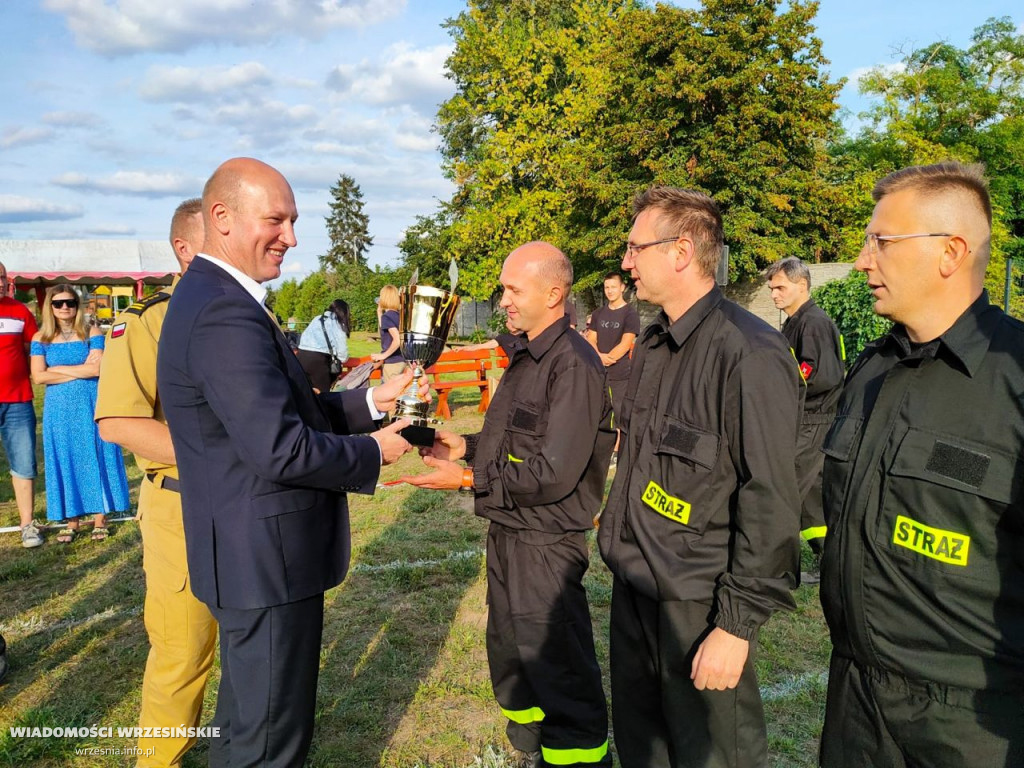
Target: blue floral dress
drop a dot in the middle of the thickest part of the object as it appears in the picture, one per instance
(84, 474)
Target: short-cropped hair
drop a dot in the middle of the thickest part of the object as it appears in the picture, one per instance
(792, 267)
(968, 179)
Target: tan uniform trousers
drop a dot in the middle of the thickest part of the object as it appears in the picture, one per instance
(182, 632)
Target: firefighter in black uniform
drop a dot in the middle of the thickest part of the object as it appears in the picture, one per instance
(538, 474)
(923, 573)
(701, 525)
(818, 349)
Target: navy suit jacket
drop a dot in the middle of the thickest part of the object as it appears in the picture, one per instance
(264, 462)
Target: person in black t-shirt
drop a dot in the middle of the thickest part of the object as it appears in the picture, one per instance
(613, 328)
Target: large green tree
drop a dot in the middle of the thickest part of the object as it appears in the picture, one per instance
(942, 102)
(525, 85)
(565, 108)
(347, 226)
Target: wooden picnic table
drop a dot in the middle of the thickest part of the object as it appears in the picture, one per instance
(470, 367)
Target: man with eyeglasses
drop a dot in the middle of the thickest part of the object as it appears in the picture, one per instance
(17, 415)
(701, 525)
(923, 572)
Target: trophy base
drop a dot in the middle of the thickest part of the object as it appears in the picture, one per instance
(419, 434)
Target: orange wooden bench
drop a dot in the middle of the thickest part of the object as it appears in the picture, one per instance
(472, 367)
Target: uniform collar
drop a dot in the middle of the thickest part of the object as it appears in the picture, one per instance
(966, 341)
(803, 309)
(681, 329)
(539, 346)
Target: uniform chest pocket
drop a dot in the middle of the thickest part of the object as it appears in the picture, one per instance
(692, 444)
(527, 424)
(946, 505)
(842, 437)
(678, 485)
(839, 446)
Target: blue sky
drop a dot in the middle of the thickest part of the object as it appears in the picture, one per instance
(115, 110)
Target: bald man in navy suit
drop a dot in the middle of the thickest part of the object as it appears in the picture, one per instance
(265, 464)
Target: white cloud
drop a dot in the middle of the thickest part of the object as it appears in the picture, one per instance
(405, 75)
(69, 119)
(20, 136)
(15, 209)
(416, 142)
(119, 230)
(137, 183)
(120, 27)
(191, 84)
(890, 68)
(292, 267)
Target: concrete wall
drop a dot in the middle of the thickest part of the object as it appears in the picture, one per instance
(754, 295)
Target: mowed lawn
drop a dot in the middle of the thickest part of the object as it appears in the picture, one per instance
(403, 679)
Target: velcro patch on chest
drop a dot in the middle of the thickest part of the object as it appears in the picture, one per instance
(525, 420)
(947, 547)
(674, 509)
(960, 464)
(681, 439)
(806, 369)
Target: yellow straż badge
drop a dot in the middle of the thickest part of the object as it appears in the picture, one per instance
(665, 505)
(945, 546)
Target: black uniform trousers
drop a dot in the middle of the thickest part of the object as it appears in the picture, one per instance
(540, 646)
(660, 719)
(809, 462)
(884, 720)
(270, 662)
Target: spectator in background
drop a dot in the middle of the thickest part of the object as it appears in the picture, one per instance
(17, 415)
(323, 346)
(84, 474)
(818, 349)
(612, 329)
(389, 356)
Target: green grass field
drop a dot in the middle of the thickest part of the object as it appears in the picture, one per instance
(403, 678)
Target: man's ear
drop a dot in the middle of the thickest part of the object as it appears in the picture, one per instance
(180, 247)
(220, 215)
(684, 251)
(556, 297)
(955, 255)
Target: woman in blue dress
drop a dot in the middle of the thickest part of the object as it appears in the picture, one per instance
(84, 474)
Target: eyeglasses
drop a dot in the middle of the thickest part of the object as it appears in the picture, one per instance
(61, 303)
(871, 240)
(633, 250)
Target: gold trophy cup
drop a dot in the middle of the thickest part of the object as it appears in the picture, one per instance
(426, 315)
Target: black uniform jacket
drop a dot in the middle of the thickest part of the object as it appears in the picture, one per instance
(923, 572)
(705, 503)
(541, 460)
(816, 343)
(262, 473)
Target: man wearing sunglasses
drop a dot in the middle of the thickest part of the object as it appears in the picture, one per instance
(924, 491)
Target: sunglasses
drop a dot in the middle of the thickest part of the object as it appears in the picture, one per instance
(61, 303)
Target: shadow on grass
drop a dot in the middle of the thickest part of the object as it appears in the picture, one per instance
(387, 623)
(72, 618)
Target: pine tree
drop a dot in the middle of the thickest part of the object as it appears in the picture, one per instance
(347, 226)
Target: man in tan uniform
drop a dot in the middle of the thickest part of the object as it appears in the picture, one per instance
(182, 632)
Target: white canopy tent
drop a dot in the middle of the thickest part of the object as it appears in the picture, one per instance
(41, 263)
